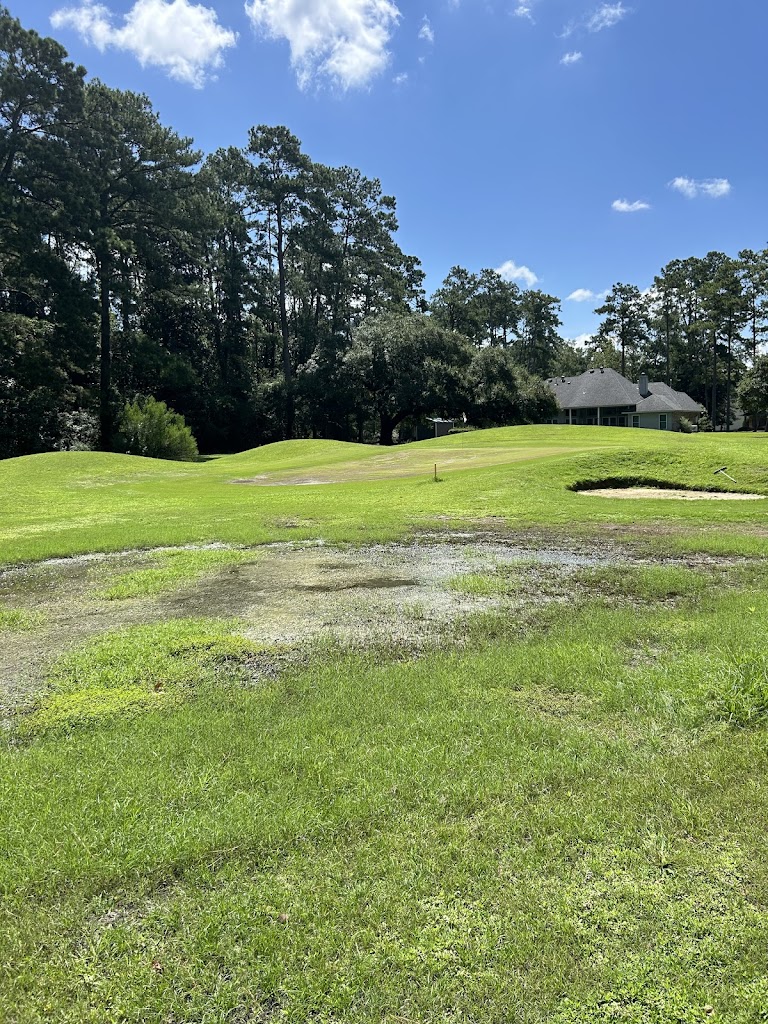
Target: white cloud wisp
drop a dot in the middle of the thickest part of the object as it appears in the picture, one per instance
(624, 206)
(426, 31)
(341, 40)
(183, 38)
(510, 271)
(606, 16)
(571, 58)
(712, 188)
(585, 295)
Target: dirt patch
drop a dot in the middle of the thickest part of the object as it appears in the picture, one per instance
(283, 593)
(665, 492)
(289, 594)
(293, 481)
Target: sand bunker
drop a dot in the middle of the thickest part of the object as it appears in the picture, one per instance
(664, 492)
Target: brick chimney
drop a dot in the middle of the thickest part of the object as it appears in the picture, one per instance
(642, 387)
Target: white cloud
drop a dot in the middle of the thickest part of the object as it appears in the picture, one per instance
(585, 295)
(687, 186)
(511, 272)
(523, 10)
(343, 40)
(184, 38)
(581, 340)
(401, 79)
(606, 16)
(571, 58)
(624, 206)
(713, 188)
(426, 32)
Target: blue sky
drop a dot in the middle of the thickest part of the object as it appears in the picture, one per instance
(572, 143)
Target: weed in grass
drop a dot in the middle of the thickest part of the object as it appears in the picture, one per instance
(527, 578)
(176, 568)
(16, 620)
(131, 670)
(738, 686)
(650, 583)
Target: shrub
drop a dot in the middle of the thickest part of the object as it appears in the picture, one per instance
(148, 427)
(78, 431)
(705, 424)
(686, 427)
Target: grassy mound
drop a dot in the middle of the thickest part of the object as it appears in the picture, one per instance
(72, 502)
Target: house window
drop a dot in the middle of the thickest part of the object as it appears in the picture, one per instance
(662, 421)
(635, 421)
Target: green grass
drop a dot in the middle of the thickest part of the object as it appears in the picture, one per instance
(554, 815)
(70, 502)
(132, 670)
(530, 578)
(563, 829)
(175, 569)
(16, 619)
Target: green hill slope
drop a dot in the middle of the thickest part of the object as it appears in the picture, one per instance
(68, 502)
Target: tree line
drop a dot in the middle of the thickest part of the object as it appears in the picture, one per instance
(259, 293)
(263, 295)
(700, 327)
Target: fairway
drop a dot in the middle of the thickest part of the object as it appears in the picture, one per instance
(414, 460)
(304, 734)
(75, 502)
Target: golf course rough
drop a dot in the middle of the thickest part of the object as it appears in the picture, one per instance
(525, 784)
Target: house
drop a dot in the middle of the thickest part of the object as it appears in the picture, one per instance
(603, 397)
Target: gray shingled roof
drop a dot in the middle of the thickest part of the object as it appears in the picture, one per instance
(608, 389)
(594, 388)
(677, 401)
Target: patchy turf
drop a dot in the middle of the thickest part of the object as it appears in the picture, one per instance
(514, 771)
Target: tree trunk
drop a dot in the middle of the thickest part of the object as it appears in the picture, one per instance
(106, 418)
(214, 308)
(666, 323)
(728, 389)
(287, 370)
(714, 381)
(623, 358)
(388, 424)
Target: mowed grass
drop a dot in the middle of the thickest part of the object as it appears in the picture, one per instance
(72, 502)
(555, 815)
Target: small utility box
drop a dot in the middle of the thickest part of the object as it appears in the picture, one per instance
(442, 427)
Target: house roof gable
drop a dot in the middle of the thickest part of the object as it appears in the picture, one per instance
(594, 388)
(607, 389)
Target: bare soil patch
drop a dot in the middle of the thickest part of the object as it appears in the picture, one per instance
(289, 594)
(284, 594)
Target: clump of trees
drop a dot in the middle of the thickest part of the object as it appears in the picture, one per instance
(258, 293)
(699, 328)
(263, 295)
